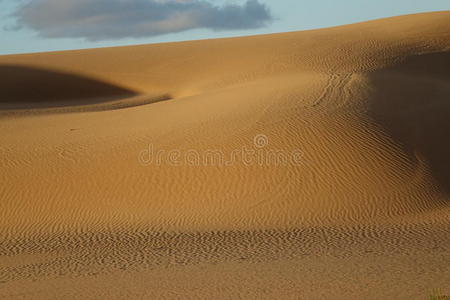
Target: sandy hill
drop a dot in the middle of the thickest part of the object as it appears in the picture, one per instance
(208, 147)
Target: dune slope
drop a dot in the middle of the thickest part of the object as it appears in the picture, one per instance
(234, 155)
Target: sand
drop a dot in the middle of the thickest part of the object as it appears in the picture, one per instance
(302, 165)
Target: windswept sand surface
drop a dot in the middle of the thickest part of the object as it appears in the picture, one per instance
(303, 165)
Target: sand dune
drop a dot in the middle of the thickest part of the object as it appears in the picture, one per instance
(356, 116)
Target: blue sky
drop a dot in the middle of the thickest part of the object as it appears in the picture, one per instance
(50, 25)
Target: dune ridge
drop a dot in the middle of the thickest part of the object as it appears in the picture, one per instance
(366, 106)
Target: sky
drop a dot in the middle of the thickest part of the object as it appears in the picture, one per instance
(51, 25)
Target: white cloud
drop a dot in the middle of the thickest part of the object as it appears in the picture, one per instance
(115, 19)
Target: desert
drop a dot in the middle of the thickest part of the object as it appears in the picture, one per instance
(302, 165)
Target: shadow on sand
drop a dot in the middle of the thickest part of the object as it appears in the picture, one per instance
(27, 87)
(412, 102)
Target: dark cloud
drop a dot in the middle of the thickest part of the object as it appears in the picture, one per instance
(114, 19)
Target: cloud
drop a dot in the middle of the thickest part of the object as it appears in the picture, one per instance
(115, 19)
